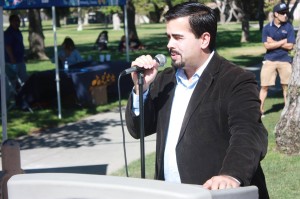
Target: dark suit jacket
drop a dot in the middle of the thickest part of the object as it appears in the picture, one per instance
(221, 133)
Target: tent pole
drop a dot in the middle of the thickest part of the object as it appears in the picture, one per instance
(3, 82)
(126, 32)
(56, 63)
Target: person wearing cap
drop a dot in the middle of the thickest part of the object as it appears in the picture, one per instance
(278, 38)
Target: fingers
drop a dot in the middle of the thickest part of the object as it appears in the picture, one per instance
(208, 184)
(221, 182)
(150, 72)
(145, 61)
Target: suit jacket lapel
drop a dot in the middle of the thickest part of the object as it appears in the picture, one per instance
(202, 87)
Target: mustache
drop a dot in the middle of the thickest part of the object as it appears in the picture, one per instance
(172, 51)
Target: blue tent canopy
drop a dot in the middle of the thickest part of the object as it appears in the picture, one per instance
(30, 4)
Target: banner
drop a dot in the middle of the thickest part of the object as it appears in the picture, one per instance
(27, 4)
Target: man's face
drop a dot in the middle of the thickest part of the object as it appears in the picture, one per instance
(282, 16)
(184, 48)
(15, 23)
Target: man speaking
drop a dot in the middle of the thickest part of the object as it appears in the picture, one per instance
(204, 109)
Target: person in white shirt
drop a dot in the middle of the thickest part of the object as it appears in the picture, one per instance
(69, 53)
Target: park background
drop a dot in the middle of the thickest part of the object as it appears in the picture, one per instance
(282, 171)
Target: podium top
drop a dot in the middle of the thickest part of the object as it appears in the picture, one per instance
(84, 186)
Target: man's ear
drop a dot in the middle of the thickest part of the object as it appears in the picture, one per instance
(205, 40)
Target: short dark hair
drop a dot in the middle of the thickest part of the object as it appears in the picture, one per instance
(13, 17)
(201, 19)
(68, 43)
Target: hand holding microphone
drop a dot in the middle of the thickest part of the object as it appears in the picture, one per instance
(145, 62)
(149, 66)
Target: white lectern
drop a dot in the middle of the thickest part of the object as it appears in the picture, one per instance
(85, 186)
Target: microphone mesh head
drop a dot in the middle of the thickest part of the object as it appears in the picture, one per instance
(161, 59)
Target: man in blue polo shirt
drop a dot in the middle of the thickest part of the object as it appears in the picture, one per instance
(278, 38)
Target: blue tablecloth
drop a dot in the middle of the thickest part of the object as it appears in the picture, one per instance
(82, 80)
(40, 88)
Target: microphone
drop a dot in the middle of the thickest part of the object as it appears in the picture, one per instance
(160, 59)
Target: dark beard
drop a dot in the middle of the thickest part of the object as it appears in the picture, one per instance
(177, 65)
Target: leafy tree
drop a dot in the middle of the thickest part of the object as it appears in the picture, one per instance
(151, 8)
(108, 11)
(242, 10)
(154, 9)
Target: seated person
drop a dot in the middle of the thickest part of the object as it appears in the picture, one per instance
(69, 53)
(134, 43)
(122, 44)
(101, 41)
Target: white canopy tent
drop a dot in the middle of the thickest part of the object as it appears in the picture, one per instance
(24, 4)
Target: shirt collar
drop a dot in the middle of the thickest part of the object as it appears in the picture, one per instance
(182, 79)
(274, 25)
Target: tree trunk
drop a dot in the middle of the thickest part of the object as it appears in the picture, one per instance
(245, 30)
(222, 8)
(169, 3)
(36, 36)
(131, 18)
(57, 17)
(287, 130)
(79, 27)
(243, 9)
(261, 14)
(157, 12)
(231, 13)
(234, 11)
(291, 14)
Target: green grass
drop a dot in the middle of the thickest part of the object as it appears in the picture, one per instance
(282, 171)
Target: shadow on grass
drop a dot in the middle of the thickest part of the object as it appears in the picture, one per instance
(84, 133)
(233, 38)
(275, 108)
(275, 93)
(247, 60)
(44, 118)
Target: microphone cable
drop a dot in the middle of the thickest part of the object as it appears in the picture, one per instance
(122, 125)
(161, 60)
